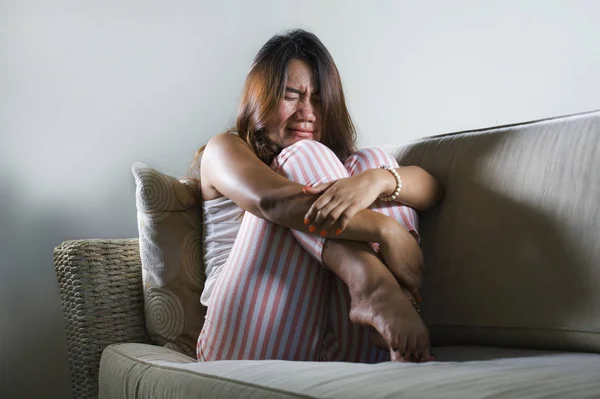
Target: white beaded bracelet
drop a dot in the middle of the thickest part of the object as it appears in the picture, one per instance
(398, 184)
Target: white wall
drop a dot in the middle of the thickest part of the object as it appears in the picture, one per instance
(89, 87)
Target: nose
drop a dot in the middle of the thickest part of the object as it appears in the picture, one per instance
(306, 111)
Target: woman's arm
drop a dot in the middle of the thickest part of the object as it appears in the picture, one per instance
(340, 200)
(420, 190)
(231, 168)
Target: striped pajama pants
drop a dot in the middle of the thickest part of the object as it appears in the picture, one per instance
(274, 299)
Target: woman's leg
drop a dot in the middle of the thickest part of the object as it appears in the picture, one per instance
(270, 301)
(351, 341)
(290, 324)
(375, 299)
(372, 158)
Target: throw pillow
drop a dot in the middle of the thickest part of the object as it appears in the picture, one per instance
(169, 214)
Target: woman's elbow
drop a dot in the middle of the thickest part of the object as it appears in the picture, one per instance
(432, 193)
(437, 192)
(266, 206)
(273, 206)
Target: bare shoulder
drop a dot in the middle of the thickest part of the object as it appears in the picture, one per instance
(219, 151)
(222, 146)
(224, 140)
(216, 146)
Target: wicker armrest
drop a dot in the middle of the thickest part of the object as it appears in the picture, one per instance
(102, 302)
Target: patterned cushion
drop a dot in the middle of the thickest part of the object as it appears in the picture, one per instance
(169, 214)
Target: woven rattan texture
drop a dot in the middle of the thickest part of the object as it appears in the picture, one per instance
(102, 299)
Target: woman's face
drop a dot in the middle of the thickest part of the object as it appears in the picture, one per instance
(297, 116)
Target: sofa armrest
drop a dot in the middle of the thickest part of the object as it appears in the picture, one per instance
(102, 299)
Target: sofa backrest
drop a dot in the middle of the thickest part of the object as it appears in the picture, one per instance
(513, 250)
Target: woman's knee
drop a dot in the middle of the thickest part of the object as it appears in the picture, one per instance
(369, 158)
(309, 162)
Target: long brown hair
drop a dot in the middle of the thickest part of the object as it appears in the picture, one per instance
(265, 87)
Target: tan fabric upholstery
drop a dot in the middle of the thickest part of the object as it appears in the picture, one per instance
(170, 228)
(136, 370)
(513, 259)
(513, 251)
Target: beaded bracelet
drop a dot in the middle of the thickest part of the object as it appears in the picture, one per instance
(398, 184)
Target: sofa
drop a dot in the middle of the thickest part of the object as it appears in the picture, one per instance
(511, 293)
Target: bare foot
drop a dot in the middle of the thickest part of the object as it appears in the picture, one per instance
(376, 338)
(397, 325)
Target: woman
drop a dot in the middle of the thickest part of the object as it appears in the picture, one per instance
(325, 262)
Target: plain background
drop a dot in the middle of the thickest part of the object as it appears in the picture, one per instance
(89, 87)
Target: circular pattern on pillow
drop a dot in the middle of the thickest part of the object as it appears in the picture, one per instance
(193, 257)
(154, 192)
(165, 313)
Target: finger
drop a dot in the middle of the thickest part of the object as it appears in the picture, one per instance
(337, 227)
(318, 189)
(343, 222)
(332, 213)
(319, 218)
(345, 217)
(322, 208)
(312, 216)
(324, 215)
(328, 214)
(350, 212)
(318, 204)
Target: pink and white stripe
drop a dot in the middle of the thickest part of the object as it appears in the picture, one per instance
(274, 300)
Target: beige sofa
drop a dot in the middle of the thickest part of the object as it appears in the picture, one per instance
(512, 287)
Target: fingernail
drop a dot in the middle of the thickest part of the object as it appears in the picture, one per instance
(312, 229)
(304, 189)
(323, 233)
(338, 232)
(306, 221)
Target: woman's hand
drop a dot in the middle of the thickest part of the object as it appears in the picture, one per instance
(340, 200)
(403, 256)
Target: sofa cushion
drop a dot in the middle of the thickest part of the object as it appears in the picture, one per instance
(138, 370)
(513, 250)
(170, 230)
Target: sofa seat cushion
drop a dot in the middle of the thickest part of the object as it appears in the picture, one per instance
(139, 370)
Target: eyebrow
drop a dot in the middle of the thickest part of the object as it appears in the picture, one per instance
(298, 91)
